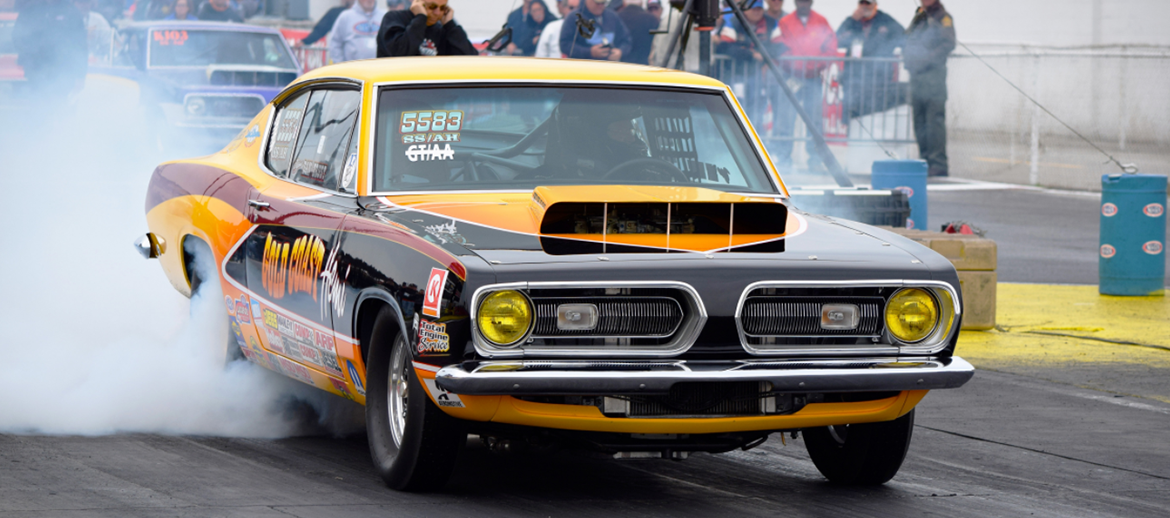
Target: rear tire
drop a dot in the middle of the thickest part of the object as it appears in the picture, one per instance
(866, 454)
(413, 444)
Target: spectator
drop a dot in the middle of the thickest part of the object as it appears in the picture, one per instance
(97, 29)
(355, 33)
(776, 9)
(610, 40)
(50, 41)
(806, 34)
(427, 29)
(152, 9)
(181, 11)
(870, 86)
(527, 23)
(325, 24)
(929, 40)
(549, 45)
(218, 11)
(746, 59)
(397, 5)
(654, 7)
(639, 23)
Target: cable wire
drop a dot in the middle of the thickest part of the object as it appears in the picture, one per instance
(1125, 168)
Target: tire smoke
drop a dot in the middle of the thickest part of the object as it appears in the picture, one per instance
(95, 340)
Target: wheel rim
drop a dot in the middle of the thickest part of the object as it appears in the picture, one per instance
(396, 391)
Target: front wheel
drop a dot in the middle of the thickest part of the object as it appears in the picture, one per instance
(413, 444)
(866, 454)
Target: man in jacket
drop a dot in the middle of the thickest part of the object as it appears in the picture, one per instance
(805, 34)
(929, 40)
(427, 29)
(355, 33)
(549, 45)
(640, 24)
(869, 85)
(610, 40)
(746, 60)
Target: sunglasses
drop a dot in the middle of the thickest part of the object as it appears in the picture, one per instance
(436, 7)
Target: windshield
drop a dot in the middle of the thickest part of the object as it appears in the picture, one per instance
(518, 138)
(188, 48)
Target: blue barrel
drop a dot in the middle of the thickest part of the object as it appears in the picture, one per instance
(908, 176)
(1133, 234)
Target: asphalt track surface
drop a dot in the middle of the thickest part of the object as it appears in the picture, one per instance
(1024, 438)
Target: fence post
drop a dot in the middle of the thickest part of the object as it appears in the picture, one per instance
(1034, 172)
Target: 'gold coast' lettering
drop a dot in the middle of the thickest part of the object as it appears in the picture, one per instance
(292, 269)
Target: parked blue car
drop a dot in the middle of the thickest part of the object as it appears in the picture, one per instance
(201, 82)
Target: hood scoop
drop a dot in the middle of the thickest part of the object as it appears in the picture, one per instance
(638, 221)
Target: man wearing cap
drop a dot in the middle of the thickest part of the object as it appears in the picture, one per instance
(929, 40)
(806, 34)
(869, 85)
(610, 39)
(746, 60)
(427, 29)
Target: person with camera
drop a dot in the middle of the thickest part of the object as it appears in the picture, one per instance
(428, 28)
(609, 39)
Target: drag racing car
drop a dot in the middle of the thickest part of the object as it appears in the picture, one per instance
(201, 81)
(555, 253)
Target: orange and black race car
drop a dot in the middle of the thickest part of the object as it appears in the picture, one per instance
(552, 252)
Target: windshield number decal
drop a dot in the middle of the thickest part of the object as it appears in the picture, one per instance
(170, 37)
(428, 121)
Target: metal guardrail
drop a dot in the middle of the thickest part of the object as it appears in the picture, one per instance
(861, 99)
(311, 57)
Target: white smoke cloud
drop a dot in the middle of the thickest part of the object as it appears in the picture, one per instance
(95, 340)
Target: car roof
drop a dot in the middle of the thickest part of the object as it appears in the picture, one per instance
(508, 69)
(188, 24)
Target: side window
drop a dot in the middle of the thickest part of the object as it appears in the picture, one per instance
(325, 135)
(283, 137)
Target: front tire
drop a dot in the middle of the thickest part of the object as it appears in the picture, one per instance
(413, 444)
(866, 454)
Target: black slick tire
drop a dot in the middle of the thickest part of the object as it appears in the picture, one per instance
(866, 454)
(423, 458)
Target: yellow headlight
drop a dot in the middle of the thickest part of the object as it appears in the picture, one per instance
(911, 315)
(504, 317)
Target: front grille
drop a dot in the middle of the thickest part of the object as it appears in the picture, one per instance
(705, 399)
(791, 316)
(251, 78)
(229, 105)
(641, 317)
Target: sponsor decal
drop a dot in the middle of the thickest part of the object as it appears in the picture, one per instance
(433, 298)
(252, 135)
(909, 223)
(286, 133)
(349, 171)
(1108, 251)
(1109, 210)
(255, 309)
(431, 121)
(239, 335)
(1152, 247)
(231, 304)
(909, 191)
(417, 152)
(296, 371)
(274, 363)
(310, 170)
(429, 138)
(310, 353)
(353, 377)
(1154, 210)
(433, 338)
(275, 340)
(340, 387)
(442, 397)
(251, 356)
(255, 345)
(446, 233)
(242, 312)
(291, 269)
(270, 319)
(334, 288)
(169, 38)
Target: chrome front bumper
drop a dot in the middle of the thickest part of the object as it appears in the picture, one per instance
(555, 377)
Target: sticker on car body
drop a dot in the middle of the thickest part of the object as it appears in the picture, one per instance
(433, 297)
(442, 397)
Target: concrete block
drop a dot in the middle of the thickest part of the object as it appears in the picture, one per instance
(978, 299)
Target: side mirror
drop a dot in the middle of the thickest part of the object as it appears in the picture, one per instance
(501, 40)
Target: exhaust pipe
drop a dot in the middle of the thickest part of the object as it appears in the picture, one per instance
(150, 246)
